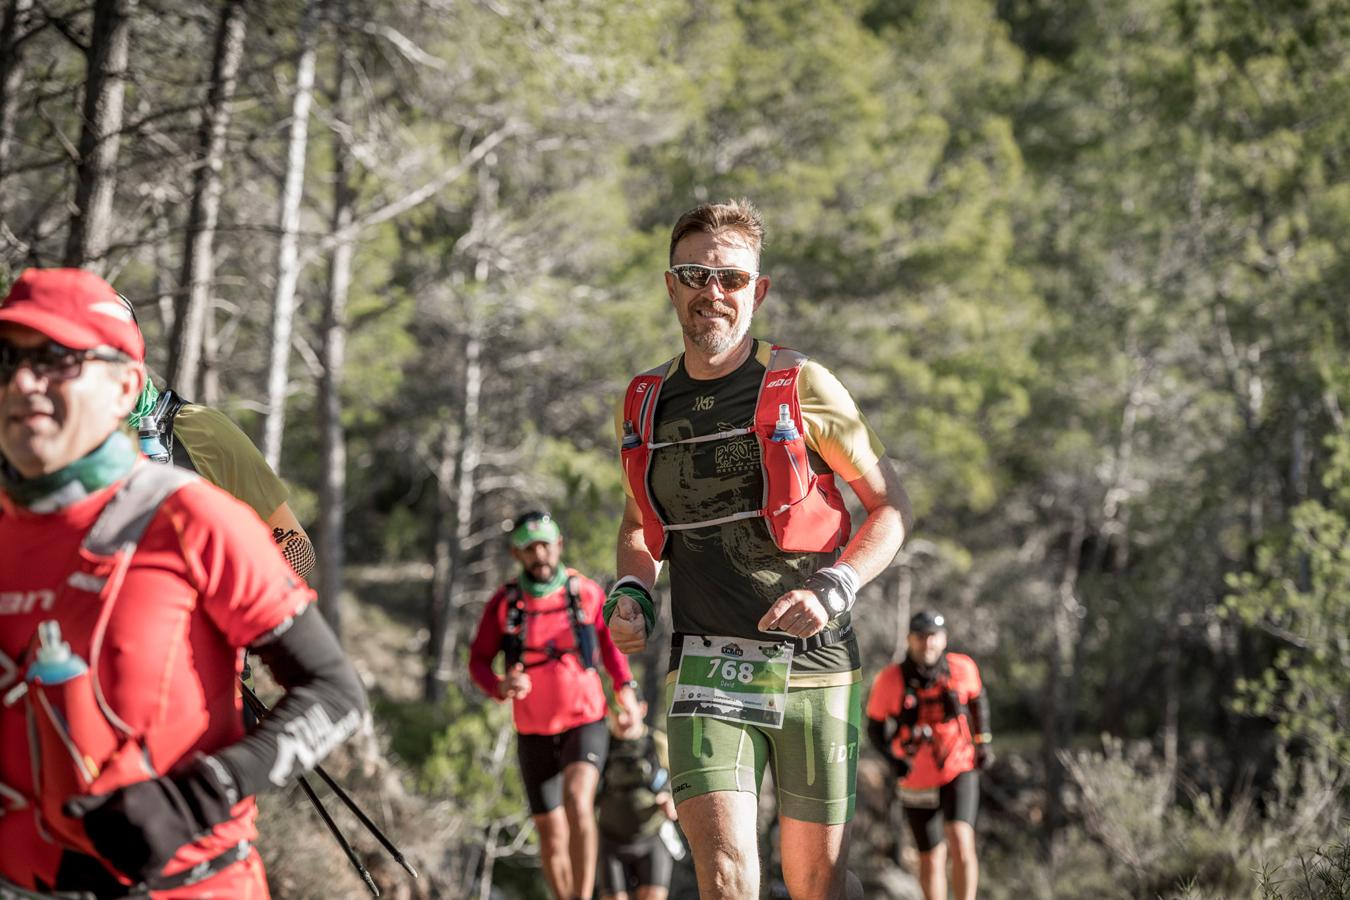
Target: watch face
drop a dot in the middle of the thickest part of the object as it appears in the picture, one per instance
(834, 599)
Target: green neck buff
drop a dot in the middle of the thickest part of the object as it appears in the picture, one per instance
(544, 588)
(107, 463)
(145, 403)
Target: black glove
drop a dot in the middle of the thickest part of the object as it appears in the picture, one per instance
(137, 829)
(984, 757)
(899, 767)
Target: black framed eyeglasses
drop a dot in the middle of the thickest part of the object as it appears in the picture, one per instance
(693, 275)
(53, 361)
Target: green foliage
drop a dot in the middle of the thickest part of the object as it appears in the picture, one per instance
(459, 748)
(1297, 592)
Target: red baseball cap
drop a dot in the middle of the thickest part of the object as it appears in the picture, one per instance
(75, 308)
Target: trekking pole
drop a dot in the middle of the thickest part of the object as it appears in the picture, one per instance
(337, 835)
(259, 709)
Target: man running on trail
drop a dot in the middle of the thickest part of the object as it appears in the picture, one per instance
(127, 593)
(941, 737)
(636, 813)
(547, 625)
(732, 453)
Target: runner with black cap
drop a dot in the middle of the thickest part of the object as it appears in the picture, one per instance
(928, 716)
(546, 625)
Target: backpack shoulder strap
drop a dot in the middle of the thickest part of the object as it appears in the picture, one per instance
(639, 404)
(178, 452)
(132, 508)
(574, 597)
(515, 608)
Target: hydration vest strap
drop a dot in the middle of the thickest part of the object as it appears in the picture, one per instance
(719, 436)
(722, 520)
(202, 871)
(517, 625)
(11, 799)
(132, 508)
(9, 671)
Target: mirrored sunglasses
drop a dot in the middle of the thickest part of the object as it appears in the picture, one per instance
(692, 275)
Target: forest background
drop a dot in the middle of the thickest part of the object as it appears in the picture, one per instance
(1083, 265)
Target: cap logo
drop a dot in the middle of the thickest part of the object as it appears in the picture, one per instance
(111, 308)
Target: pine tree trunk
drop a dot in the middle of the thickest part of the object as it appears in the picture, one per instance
(1058, 712)
(104, 92)
(332, 440)
(11, 76)
(192, 303)
(468, 450)
(288, 257)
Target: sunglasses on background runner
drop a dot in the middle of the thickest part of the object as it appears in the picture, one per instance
(54, 361)
(692, 275)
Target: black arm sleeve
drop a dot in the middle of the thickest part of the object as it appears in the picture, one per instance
(876, 734)
(323, 705)
(979, 713)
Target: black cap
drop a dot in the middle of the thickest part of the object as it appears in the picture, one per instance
(927, 622)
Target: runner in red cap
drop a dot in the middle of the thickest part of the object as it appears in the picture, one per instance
(127, 592)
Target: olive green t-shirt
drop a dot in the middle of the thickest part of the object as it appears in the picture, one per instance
(224, 456)
(724, 577)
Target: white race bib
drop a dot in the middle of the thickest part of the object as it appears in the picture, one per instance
(734, 679)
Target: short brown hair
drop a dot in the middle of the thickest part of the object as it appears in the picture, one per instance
(739, 216)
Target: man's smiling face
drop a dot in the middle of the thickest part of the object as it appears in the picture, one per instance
(48, 421)
(715, 320)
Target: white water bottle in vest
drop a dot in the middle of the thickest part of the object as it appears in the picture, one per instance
(784, 429)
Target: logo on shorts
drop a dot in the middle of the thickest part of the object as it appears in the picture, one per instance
(841, 752)
(730, 649)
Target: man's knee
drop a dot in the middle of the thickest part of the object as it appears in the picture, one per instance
(727, 866)
(934, 858)
(961, 838)
(553, 831)
(823, 881)
(579, 804)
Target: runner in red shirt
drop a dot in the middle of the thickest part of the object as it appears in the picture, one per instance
(547, 624)
(941, 737)
(127, 592)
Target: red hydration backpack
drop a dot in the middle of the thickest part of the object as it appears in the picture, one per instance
(804, 511)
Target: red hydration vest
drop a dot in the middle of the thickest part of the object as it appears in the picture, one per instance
(804, 511)
(78, 743)
(934, 731)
